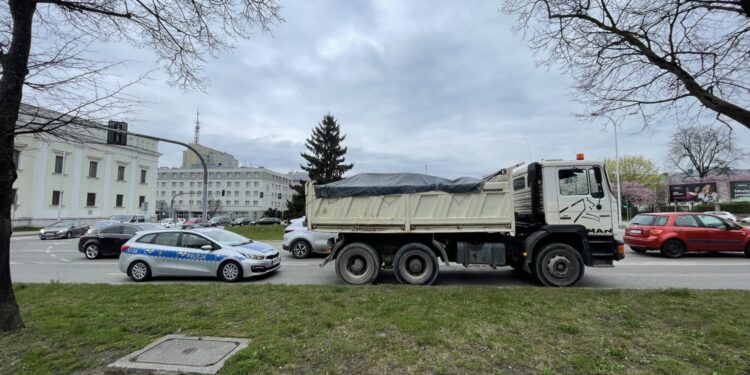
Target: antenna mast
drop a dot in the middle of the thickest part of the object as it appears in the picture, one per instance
(197, 126)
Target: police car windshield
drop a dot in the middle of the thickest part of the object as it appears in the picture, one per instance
(226, 238)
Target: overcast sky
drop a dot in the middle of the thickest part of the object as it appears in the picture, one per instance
(445, 85)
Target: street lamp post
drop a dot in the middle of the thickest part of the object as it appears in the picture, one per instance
(617, 174)
(200, 157)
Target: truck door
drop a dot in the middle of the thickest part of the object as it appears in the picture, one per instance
(582, 199)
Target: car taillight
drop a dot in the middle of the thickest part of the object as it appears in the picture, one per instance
(123, 248)
(654, 232)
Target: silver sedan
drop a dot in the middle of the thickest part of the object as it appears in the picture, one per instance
(198, 252)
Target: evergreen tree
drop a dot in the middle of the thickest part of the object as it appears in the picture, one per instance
(325, 161)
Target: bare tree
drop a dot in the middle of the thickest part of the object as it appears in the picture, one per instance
(39, 41)
(700, 151)
(686, 59)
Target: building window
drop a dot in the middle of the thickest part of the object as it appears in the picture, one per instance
(59, 163)
(255, 184)
(229, 203)
(90, 199)
(93, 166)
(199, 203)
(182, 184)
(117, 138)
(236, 184)
(255, 203)
(218, 183)
(120, 173)
(255, 194)
(210, 184)
(118, 200)
(174, 184)
(163, 193)
(142, 202)
(163, 184)
(236, 203)
(180, 202)
(56, 197)
(192, 184)
(236, 193)
(190, 202)
(247, 203)
(143, 176)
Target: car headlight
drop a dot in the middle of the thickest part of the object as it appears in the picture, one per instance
(41, 230)
(253, 256)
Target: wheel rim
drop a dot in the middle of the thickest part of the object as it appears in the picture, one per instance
(139, 271)
(560, 269)
(230, 271)
(300, 249)
(415, 267)
(92, 251)
(356, 266)
(674, 248)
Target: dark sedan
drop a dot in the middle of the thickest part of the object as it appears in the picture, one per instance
(63, 229)
(107, 241)
(268, 221)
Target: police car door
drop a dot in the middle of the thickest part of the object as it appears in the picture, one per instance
(192, 259)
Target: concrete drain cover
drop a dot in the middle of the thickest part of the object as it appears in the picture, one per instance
(181, 354)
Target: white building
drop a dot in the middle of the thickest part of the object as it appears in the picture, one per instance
(88, 180)
(242, 192)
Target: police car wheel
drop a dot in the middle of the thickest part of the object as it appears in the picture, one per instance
(230, 272)
(139, 271)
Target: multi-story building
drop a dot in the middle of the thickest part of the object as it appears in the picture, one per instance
(89, 175)
(213, 158)
(240, 192)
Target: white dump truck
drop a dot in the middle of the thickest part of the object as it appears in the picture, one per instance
(550, 218)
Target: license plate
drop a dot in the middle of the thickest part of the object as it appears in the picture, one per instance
(635, 231)
(276, 261)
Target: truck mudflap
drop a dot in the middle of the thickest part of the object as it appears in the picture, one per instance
(332, 255)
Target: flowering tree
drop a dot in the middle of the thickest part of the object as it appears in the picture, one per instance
(636, 193)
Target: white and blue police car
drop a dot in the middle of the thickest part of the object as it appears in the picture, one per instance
(196, 252)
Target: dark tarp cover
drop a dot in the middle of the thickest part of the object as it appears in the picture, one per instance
(367, 184)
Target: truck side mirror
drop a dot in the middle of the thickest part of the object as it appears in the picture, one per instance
(599, 193)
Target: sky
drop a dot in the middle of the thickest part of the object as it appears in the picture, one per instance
(445, 87)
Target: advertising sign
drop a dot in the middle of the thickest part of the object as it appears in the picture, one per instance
(739, 189)
(703, 192)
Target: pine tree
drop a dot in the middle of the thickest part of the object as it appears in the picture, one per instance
(325, 161)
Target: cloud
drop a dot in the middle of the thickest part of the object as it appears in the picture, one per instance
(441, 84)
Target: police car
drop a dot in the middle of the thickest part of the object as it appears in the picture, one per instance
(196, 252)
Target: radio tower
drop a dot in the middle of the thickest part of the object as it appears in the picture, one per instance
(197, 126)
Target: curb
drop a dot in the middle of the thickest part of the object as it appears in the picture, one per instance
(23, 234)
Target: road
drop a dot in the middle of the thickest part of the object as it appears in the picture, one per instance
(36, 261)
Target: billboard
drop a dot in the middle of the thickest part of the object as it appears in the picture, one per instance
(739, 189)
(699, 192)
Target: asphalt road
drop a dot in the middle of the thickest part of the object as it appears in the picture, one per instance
(36, 261)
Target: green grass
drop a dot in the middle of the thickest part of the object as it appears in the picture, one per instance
(260, 232)
(389, 329)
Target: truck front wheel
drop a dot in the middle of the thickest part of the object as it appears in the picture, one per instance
(558, 265)
(357, 264)
(415, 264)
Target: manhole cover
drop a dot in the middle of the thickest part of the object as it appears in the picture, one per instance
(176, 353)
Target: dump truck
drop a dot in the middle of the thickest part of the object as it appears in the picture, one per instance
(550, 219)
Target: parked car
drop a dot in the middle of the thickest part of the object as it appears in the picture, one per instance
(106, 241)
(219, 221)
(302, 242)
(208, 252)
(268, 221)
(240, 221)
(171, 223)
(104, 223)
(195, 222)
(129, 218)
(674, 234)
(63, 229)
(723, 214)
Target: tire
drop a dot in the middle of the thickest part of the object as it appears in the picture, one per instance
(69, 235)
(230, 272)
(139, 271)
(357, 264)
(638, 250)
(673, 249)
(415, 264)
(558, 265)
(300, 249)
(91, 250)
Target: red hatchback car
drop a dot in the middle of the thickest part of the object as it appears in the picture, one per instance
(676, 233)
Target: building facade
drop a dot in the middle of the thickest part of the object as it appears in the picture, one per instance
(214, 158)
(88, 179)
(240, 192)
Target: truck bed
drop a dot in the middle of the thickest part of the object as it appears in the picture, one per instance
(490, 210)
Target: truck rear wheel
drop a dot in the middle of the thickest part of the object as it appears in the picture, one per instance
(415, 264)
(357, 264)
(558, 265)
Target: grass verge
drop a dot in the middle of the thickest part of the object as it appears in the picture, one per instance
(260, 232)
(389, 329)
